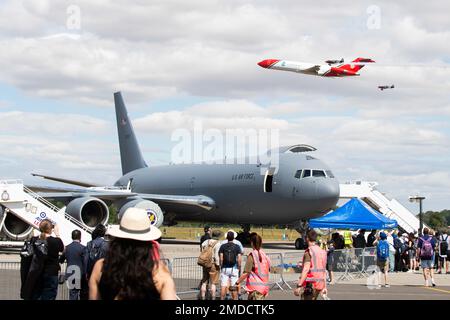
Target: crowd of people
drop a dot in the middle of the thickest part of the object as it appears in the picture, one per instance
(397, 251)
(223, 259)
(125, 267)
(128, 264)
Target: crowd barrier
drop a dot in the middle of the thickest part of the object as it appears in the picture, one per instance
(286, 269)
(10, 282)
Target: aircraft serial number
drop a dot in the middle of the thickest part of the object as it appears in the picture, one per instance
(243, 176)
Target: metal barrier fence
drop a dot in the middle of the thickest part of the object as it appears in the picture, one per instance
(292, 267)
(10, 282)
(286, 269)
(186, 274)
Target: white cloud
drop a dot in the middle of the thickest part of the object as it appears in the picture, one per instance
(209, 49)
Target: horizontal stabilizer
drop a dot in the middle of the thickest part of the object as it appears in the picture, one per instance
(68, 181)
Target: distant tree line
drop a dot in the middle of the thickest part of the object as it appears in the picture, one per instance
(437, 219)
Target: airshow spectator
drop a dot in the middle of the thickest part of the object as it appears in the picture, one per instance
(360, 241)
(383, 257)
(42, 279)
(230, 255)
(444, 250)
(312, 281)
(96, 249)
(425, 250)
(132, 268)
(256, 271)
(206, 236)
(390, 240)
(75, 274)
(211, 274)
(330, 261)
(411, 250)
(371, 238)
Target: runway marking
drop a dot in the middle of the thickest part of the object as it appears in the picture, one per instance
(441, 290)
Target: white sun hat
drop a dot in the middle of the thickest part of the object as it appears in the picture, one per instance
(135, 224)
(234, 232)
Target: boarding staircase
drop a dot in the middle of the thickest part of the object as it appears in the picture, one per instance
(32, 208)
(392, 209)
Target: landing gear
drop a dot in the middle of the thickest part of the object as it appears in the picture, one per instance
(301, 227)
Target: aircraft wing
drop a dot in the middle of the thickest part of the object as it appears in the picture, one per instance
(112, 194)
(63, 180)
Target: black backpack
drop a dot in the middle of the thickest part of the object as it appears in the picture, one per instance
(95, 252)
(229, 255)
(443, 246)
(33, 259)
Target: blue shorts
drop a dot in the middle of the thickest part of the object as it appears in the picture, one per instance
(427, 264)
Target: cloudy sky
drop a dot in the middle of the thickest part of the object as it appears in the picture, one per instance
(177, 62)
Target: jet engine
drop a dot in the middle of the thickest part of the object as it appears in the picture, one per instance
(154, 212)
(14, 228)
(88, 210)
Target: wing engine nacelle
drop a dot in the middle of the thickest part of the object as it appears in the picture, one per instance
(14, 228)
(88, 210)
(155, 214)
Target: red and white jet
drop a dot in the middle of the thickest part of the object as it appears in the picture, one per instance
(323, 70)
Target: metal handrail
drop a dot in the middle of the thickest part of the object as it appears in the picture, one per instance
(55, 209)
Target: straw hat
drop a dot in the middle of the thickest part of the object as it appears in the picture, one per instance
(135, 224)
(234, 232)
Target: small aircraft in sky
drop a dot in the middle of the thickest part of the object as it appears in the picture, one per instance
(385, 87)
(330, 62)
(323, 70)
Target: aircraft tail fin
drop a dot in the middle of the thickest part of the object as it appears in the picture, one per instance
(130, 154)
(356, 64)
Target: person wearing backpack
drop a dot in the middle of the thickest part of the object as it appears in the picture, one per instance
(443, 252)
(96, 249)
(230, 257)
(425, 250)
(383, 257)
(209, 261)
(41, 280)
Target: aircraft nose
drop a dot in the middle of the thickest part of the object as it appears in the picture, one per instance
(267, 63)
(328, 194)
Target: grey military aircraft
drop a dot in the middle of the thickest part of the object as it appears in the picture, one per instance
(303, 187)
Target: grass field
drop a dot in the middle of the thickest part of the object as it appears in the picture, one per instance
(194, 233)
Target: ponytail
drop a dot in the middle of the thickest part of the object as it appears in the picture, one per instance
(256, 242)
(45, 227)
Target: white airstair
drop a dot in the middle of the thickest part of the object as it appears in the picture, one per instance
(367, 192)
(31, 208)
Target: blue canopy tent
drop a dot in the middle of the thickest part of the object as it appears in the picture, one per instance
(355, 214)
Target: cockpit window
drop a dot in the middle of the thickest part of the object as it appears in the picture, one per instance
(329, 174)
(318, 173)
(306, 173)
(298, 174)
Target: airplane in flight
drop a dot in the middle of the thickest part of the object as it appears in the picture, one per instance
(341, 69)
(386, 87)
(303, 187)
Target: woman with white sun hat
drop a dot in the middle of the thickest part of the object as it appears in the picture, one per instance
(132, 269)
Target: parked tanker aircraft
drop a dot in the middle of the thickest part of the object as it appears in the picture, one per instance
(303, 187)
(332, 68)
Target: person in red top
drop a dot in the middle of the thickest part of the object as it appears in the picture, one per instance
(256, 271)
(313, 282)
